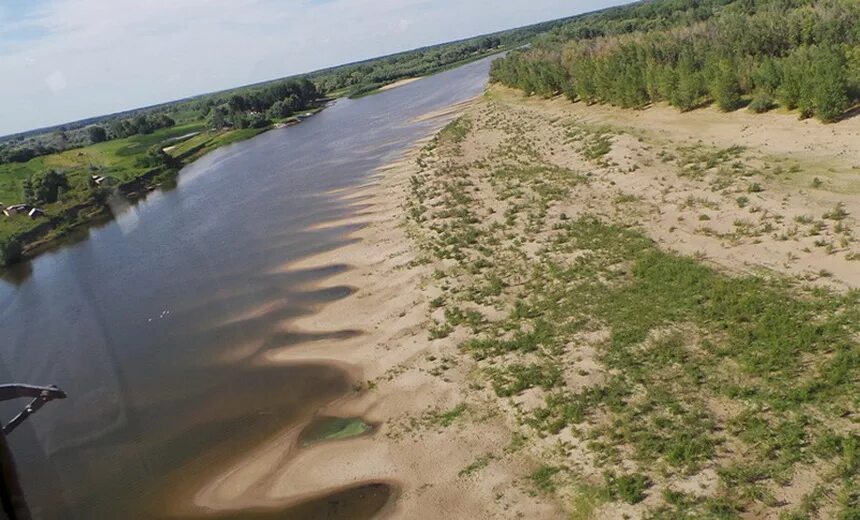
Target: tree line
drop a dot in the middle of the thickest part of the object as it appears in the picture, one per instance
(258, 105)
(256, 108)
(62, 140)
(801, 54)
(364, 77)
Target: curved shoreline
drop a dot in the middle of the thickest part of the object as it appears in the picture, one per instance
(392, 387)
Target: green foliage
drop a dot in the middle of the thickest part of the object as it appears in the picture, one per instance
(44, 187)
(688, 53)
(724, 87)
(543, 478)
(364, 77)
(761, 103)
(141, 124)
(629, 488)
(97, 134)
(815, 81)
(829, 84)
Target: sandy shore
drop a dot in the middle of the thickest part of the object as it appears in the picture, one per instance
(399, 83)
(430, 429)
(743, 193)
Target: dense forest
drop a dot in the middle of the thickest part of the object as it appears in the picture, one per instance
(803, 55)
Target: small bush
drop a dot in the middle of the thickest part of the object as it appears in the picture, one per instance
(761, 103)
(543, 478)
(629, 488)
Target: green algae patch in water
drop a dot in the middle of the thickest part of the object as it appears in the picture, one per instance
(324, 429)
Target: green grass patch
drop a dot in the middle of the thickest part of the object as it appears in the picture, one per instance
(332, 428)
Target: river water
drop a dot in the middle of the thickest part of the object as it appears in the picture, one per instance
(152, 324)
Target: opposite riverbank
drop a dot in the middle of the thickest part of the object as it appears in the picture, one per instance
(125, 174)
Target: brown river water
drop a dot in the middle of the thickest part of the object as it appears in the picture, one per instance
(154, 322)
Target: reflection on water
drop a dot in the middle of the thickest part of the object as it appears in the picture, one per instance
(17, 274)
(154, 325)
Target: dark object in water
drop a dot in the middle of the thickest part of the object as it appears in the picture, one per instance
(361, 502)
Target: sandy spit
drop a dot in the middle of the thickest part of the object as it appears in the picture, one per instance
(399, 83)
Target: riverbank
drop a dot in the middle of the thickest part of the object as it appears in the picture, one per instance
(68, 220)
(572, 310)
(432, 440)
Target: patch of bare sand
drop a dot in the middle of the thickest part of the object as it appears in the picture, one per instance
(761, 210)
(400, 83)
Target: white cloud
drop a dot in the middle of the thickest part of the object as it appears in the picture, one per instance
(107, 55)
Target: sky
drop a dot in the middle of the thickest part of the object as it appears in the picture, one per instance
(64, 60)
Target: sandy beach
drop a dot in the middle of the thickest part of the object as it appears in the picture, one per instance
(400, 83)
(429, 426)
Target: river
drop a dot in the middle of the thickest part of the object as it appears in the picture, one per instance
(152, 323)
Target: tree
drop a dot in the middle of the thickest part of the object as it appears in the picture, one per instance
(767, 77)
(97, 134)
(724, 87)
(761, 102)
(216, 120)
(236, 103)
(279, 109)
(142, 125)
(828, 90)
(256, 120)
(688, 88)
(119, 129)
(44, 187)
(20, 154)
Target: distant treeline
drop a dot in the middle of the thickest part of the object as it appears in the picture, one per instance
(257, 105)
(802, 54)
(365, 77)
(23, 149)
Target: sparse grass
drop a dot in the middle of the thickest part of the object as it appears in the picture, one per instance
(676, 335)
(837, 213)
(480, 463)
(585, 502)
(628, 488)
(455, 131)
(543, 478)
